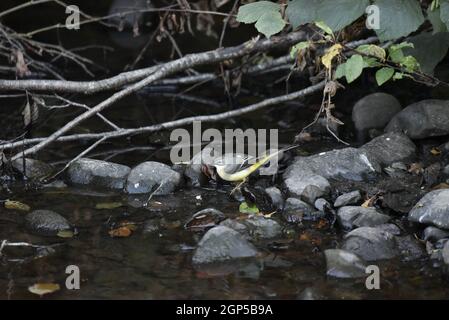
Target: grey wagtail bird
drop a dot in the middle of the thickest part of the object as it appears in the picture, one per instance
(236, 167)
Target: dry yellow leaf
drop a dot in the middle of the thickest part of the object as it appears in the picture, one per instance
(121, 232)
(16, 205)
(65, 234)
(331, 53)
(43, 288)
(435, 151)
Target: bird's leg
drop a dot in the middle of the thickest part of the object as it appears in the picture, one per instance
(238, 186)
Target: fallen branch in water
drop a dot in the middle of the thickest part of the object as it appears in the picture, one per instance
(175, 123)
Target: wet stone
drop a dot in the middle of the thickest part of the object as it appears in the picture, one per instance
(353, 197)
(434, 234)
(34, 169)
(205, 219)
(152, 177)
(296, 210)
(262, 228)
(424, 119)
(222, 244)
(355, 216)
(344, 264)
(371, 244)
(46, 223)
(98, 173)
(432, 209)
(276, 198)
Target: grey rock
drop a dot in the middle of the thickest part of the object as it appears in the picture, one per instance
(446, 170)
(321, 204)
(374, 111)
(353, 197)
(356, 216)
(236, 225)
(307, 185)
(262, 228)
(410, 249)
(347, 163)
(344, 264)
(152, 176)
(390, 148)
(445, 253)
(98, 173)
(434, 234)
(309, 294)
(275, 196)
(34, 169)
(432, 209)
(46, 223)
(391, 228)
(222, 244)
(371, 244)
(424, 119)
(152, 226)
(296, 210)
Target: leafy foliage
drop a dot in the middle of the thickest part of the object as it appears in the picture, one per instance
(266, 14)
(336, 14)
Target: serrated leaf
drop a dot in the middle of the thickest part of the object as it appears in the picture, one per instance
(336, 16)
(270, 23)
(43, 288)
(429, 49)
(16, 205)
(354, 68)
(331, 53)
(299, 47)
(323, 26)
(249, 209)
(383, 75)
(398, 18)
(373, 50)
(250, 13)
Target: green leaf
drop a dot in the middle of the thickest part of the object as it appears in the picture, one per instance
(429, 49)
(383, 75)
(398, 76)
(398, 18)
(270, 23)
(323, 26)
(341, 71)
(410, 63)
(354, 68)
(250, 13)
(335, 15)
(249, 209)
(444, 13)
(371, 62)
(299, 47)
(434, 17)
(373, 50)
(396, 53)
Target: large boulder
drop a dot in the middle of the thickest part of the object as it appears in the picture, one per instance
(427, 118)
(390, 148)
(98, 173)
(432, 209)
(222, 244)
(46, 223)
(348, 163)
(371, 244)
(374, 111)
(152, 176)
